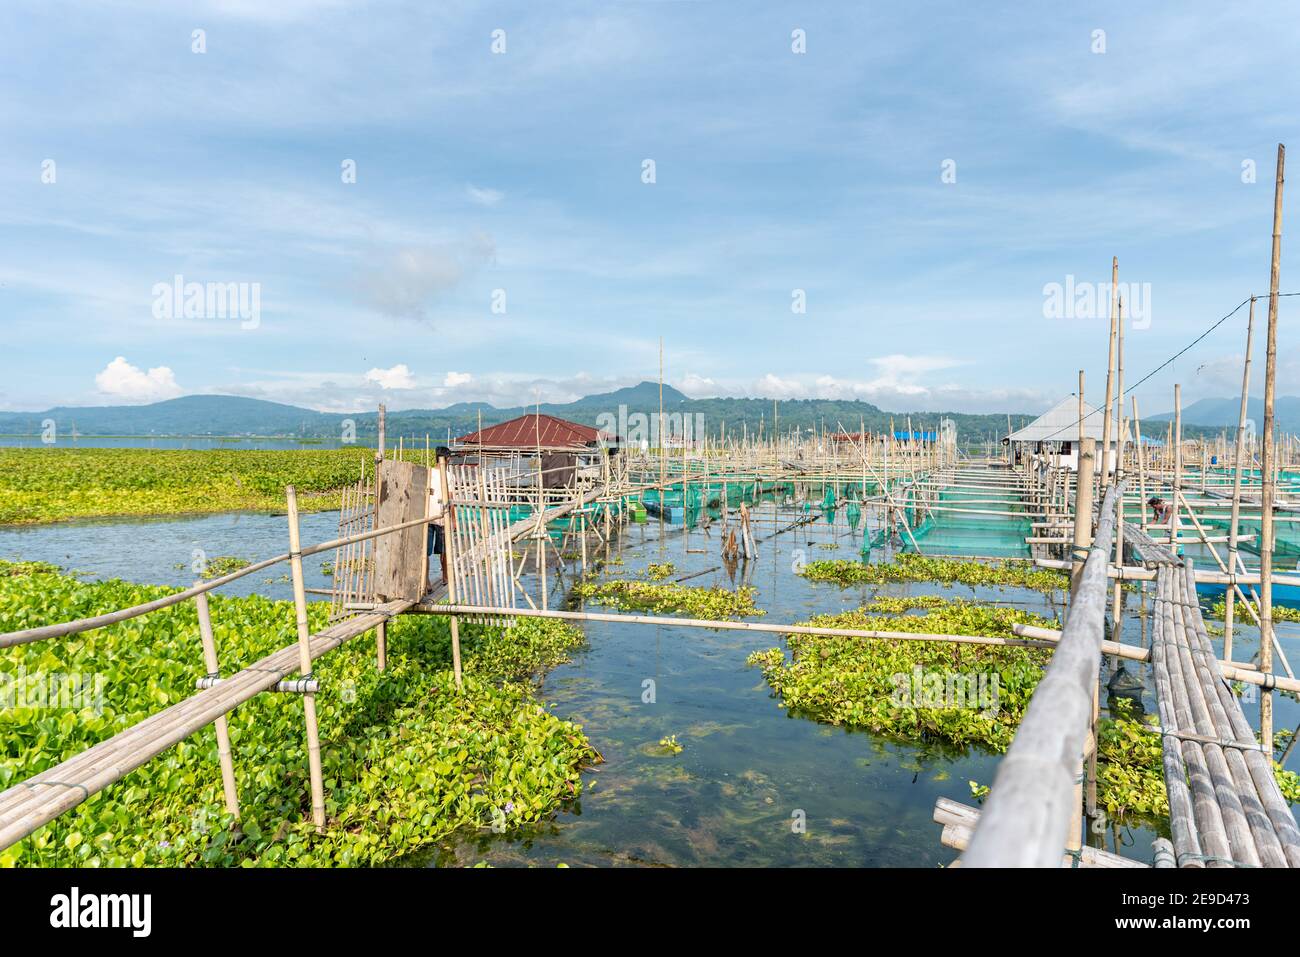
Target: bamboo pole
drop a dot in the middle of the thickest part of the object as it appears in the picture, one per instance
(1082, 511)
(1107, 424)
(449, 529)
(223, 731)
(304, 661)
(1268, 466)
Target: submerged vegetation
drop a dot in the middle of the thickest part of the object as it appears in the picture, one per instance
(714, 604)
(909, 567)
(406, 758)
(47, 485)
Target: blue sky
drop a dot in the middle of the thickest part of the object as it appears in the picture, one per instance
(522, 171)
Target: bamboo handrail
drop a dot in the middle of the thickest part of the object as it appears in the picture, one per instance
(1026, 821)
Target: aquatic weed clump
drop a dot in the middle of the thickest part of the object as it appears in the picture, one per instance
(47, 485)
(660, 571)
(407, 759)
(714, 604)
(885, 685)
(910, 567)
(1219, 610)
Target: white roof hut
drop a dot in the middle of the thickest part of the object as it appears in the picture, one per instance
(1057, 430)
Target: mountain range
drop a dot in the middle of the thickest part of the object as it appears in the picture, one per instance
(228, 415)
(1223, 413)
(231, 415)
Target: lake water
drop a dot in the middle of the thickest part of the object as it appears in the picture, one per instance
(747, 770)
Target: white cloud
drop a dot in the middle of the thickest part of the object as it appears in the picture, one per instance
(774, 387)
(456, 379)
(398, 377)
(403, 282)
(484, 196)
(122, 380)
(698, 386)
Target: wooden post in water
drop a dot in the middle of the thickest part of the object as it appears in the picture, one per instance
(304, 664)
(223, 730)
(1269, 467)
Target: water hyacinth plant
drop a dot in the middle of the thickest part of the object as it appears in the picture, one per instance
(909, 567)
(1219, 610)
(715, 604)
(854, 681)
(407, 759)
(657, 572)
(47, 485)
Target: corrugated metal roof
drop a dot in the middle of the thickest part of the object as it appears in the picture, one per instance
(533, 430)
(1061, 424)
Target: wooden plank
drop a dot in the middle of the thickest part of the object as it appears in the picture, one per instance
(399, 557)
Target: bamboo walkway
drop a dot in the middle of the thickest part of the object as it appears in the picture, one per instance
(43, 797)
(1225, 808)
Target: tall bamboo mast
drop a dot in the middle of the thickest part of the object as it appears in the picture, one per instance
(1233, 532)
(662, 463)
(1110, 373)
(1267, 463)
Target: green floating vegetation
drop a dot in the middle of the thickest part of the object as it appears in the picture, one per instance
(669, 745)
(898, 604)
(1130, 771)
(219, 566)
(407, 760)
(980, 692)
(871, 684)
(8, 568)
(714, 604)
(657, 572)
(50, 484)
(1219, 610)
(910, 567)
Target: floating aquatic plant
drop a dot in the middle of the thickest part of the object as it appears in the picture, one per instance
(909, 567)
(898, 604)
(1219, 610)
(46, 485)
(407, 759)
(871, 683)
(669, 745)
(715, 604)
(855, 682)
